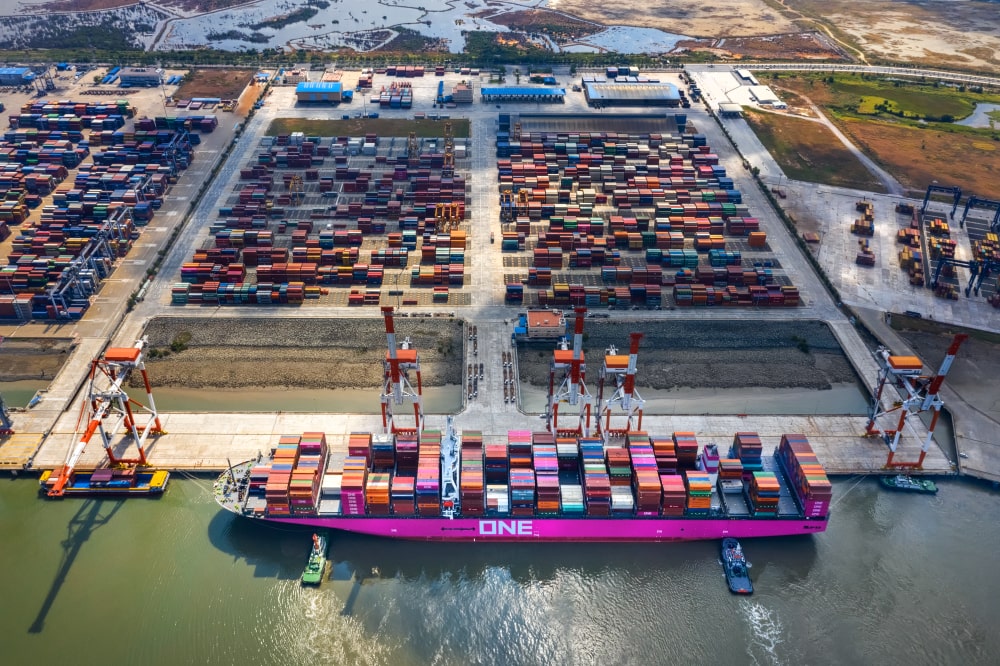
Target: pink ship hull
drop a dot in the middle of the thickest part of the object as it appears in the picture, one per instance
(563, 529)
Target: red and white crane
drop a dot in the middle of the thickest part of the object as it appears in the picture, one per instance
(396, 386)
(920, 393)
(620, 370)
(572, 388)
(107, 409)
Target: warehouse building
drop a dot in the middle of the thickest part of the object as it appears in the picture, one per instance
(15, 76)
(328, 92)
(603, 93)
(515, 94)
(141, 77)
(462, 93)
(764, 96)
(730, 110)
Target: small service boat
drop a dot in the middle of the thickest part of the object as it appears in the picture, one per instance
(313, 574)
(909, 484)
(736, 567)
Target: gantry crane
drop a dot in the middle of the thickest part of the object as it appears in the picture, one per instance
(108, 401)
(448, 166)
(980, 202)
(572, 388)
(921, 394)
(955, 192)
(412, 147)
(296, 188)
(396, 387)
(619, 370)
(447, 217)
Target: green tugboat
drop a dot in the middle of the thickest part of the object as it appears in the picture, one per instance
(909, 484)
(313, 574)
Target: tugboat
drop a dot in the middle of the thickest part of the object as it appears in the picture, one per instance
(909, 484)
(736, 567)
(313, 574)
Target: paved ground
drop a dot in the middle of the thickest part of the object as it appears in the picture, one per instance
(207, 440)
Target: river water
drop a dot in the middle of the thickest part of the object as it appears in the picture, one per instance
(896, 579)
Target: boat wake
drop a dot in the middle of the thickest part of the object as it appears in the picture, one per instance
(765, 632)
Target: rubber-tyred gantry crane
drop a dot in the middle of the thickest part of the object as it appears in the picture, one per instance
(619, 371)
(107, 401)
(572, 388)
(396, 387)
(920, 395)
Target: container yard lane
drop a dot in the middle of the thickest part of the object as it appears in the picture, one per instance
(205, 441)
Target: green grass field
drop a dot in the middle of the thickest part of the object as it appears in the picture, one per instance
(807, 150)
(910, 99)
(400, 127)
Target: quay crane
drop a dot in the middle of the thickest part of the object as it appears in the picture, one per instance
(619, 370)
(396, 387)
(107, 399)
(573, 387)
(921, 395)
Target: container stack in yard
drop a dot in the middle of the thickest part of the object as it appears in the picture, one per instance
(911, 256)
(58, 260)
(281, 248)
(653, 211)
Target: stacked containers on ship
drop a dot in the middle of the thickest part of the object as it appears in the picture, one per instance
(352, 485)
(763, 492)
(730, 475)
(570, 489)
(699, 492)
(329, 499)
(545, 462)
(686, 446)
(596, 482)
(497, 475)
(377, 494)
(522, 475)
(665, 453)
(645, 474)
(674, 495)
(429, 473)
(747, 447)
(620, 476)
(811, 486)
(407, 454)
(307, 475)
(472, 481)
(283, 461)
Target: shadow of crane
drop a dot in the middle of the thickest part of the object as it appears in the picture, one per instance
(91, 515)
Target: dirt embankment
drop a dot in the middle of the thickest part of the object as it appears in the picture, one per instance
(295, 353)
(698, 354)
(347, 353)
(32, 358)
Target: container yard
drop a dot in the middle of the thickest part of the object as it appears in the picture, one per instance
(74, 204)
(354, 221)
(627, 219)
(311, 212)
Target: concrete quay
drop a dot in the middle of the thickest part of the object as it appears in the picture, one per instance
(208, 442)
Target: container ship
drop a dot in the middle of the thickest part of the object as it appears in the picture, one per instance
(439, 485)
